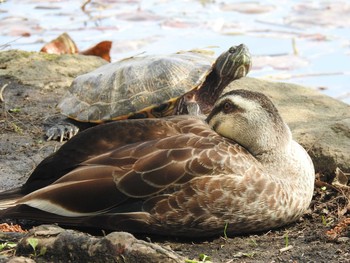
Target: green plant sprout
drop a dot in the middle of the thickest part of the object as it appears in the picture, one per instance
(326, 221)
(249, 255)
(225, 230)
(202, 259)
(33, 242)
(286, 239)
(253, 242)
(7, 249)
(7, 245)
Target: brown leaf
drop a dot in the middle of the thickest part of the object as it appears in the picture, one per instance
(4, 227)
(339, 229)
(102, 50)
(65, 45)
(61, 45)
(341, 177)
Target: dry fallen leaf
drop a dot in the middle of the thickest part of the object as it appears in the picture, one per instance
(340, 182)
(102, 50)
(341, 177)
(61, 45)
(340, 229)
(4, 227)
(64, 44)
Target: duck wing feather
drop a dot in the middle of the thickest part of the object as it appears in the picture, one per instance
(110, 165)
(94, 142)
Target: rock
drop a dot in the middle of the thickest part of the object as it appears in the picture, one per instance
(44, 70)
(318, 122)
(60, 245)
(20, 260)
(31, 84)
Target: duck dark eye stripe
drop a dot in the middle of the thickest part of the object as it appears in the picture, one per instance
(214, 112)
(219, 108)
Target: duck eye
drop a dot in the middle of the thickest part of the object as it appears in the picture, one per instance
(227, 107)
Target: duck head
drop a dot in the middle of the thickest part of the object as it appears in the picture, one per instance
(250, 119)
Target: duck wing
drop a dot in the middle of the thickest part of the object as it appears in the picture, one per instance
(129, 174)
(93, 142)
(126, 179)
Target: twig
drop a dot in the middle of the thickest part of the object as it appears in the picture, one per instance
(84, 5)
(294, 46)
(3, 46)
(24, 124)
(1, 91)
(286, 248)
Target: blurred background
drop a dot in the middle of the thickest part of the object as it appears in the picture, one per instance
(302, 42)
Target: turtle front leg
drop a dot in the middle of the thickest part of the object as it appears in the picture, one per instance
(61, 132)
(59, 127)
(191, 106)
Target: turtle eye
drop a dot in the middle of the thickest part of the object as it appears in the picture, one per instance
(228, 107)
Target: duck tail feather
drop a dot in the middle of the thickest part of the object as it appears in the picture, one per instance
(9, 198)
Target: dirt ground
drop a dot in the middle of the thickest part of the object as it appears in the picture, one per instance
(23, 112)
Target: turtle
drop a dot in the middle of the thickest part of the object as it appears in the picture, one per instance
(149, 87)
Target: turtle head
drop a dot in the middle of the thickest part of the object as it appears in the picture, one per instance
(230, 65)
(233, 64)
(250, 119)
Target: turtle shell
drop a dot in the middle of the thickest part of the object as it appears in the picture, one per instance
(130, 85)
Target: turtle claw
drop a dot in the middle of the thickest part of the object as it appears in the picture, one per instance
(193, 108)
(190, 105)
(61, 132)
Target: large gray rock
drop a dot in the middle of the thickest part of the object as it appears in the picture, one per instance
(318, 122)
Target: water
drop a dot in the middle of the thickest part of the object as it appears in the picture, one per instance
(303, 42)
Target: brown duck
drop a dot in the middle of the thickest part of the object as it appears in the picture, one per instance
(180, 175)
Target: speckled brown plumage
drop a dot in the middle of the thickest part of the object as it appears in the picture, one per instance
(176, 176)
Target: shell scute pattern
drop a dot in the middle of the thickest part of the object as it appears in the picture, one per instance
(132, 84)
